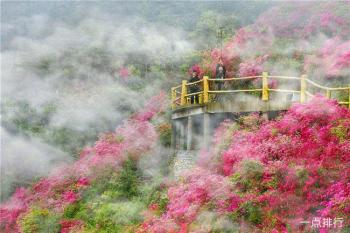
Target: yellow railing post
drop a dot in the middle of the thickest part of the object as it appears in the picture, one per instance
(205, 90)
(328, 94)
(173, 97)
(265, 87)
(303, 89)
(349, 97)
(183, 93)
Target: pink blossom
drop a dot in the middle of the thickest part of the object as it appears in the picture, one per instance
(124, 72)
(70, 196)
(68, 226)
(83, 181)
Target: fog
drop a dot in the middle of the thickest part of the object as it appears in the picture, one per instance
(61, 72)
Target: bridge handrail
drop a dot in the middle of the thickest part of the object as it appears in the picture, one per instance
(177, 87)
(192, 83)
(181, 98)
(285, 77)
(326, 88)
(195, 93)
(234, 91)
(234, 79)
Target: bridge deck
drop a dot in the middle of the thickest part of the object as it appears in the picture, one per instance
(262, 97)
(233, 105)
(193, 124)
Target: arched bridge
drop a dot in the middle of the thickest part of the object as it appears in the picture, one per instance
(267, 94)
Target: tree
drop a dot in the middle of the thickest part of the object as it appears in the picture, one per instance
(207, 28)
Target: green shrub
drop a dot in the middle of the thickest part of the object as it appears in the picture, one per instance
(252, 169)
(128, 179)
(111, 203)
(164, 131)
(250, 174)
(110, 217)
(252, 212)
(77, 210)
(341, 130)
(40, 221)
(123, 184)
(159, 196)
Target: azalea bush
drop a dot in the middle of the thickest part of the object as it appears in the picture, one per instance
(270, 177)
(260, 176)
(289, 39)
(40, 220)
(89, 193)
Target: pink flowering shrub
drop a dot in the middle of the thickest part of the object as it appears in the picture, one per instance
(302, 157)
(11, 210)
(154, 106)
(247, 69)
(270, 177)
(293, 38)
(71, 226)
(198, 190)
(65, 185)
(333, 58)
(306, 19)
(196, 68)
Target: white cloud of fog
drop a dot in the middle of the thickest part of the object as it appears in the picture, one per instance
(75, 67)
(72, 54)
(23, 159)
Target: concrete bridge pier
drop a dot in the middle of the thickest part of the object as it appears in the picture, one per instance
(189, 132)
(195, 125)
(192, 132)
(182, 134)
(206, 130)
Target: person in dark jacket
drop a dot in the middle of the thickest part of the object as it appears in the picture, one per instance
(220, 74)
(194, 87)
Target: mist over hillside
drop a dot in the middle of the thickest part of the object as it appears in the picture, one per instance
(184, 15)
(63, 62)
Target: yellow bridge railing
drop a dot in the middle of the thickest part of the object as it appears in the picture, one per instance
(302, 86)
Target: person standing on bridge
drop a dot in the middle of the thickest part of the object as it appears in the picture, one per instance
(193, 88)
(220, 74)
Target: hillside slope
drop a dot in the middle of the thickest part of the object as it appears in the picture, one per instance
(103, 191)
(266, 176)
